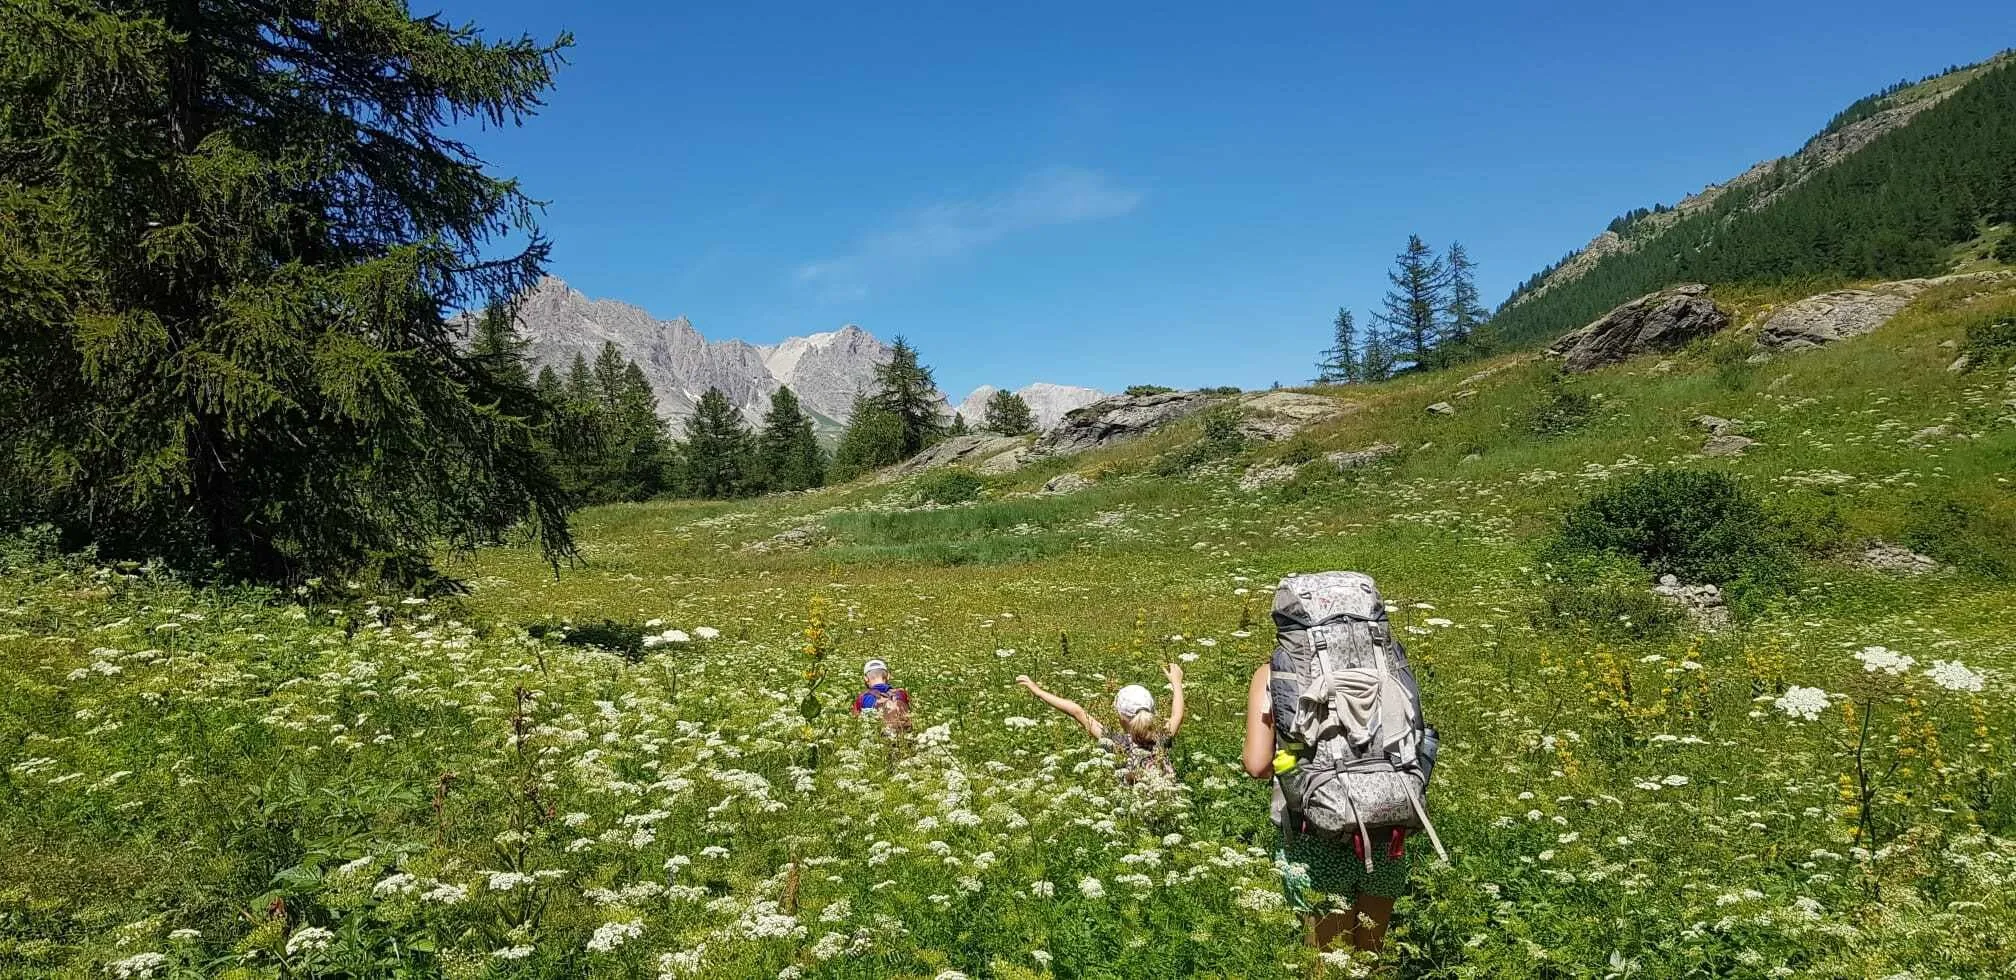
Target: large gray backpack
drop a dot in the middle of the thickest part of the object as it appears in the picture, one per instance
(1348, 711)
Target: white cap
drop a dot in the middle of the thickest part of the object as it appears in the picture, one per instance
(873, 666)
(1132, 700)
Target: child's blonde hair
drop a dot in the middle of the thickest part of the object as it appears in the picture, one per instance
(1144, 726)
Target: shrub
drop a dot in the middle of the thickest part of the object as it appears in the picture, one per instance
(1139, 390)
(949, 485)
(1811, 523)
(1962, 535)
(1566, 410)
(1734, 370)
(1222, 390)
(1992, 342)
(1698, 525)
(1604, 596)
(2005, 251)
(1220, 438)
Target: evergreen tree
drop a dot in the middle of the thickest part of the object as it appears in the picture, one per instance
(639, 451)
(231, 235)
(874, 439)
(1376, 362)
(905, 390)
(1340, 362)
(717, 458)
(1009, 415)
(1412, 315)
(608, 376)
(496, 342)
(1463, 321)
(959, 427)
(788, 455)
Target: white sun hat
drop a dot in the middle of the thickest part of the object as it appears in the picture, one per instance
(1132, 700)
(873, 666)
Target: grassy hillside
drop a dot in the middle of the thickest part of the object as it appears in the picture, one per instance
(235, 783)
(1896, 208)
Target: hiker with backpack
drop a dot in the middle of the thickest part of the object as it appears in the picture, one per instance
(1335, 720)
(890, 702)
(1141, 740)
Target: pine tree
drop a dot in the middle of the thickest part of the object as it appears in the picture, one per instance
(639, 450)
(717, 458)
(608, 376)
(1340, 362)
(788, 454)
(874, 439)
(1412, 314)
(1009, 415)
(233, 233)
(1376, 362)
(959, 427)
(904, 389)
(496, 342)
(1464, 319)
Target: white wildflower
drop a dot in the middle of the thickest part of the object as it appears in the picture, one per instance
(1092, 887)
(1884, 659)
(309, 940)
(610, 935)
(1954, 676)
(1802, 702)
(138, 966)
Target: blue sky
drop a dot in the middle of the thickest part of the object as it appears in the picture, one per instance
(1178, 193)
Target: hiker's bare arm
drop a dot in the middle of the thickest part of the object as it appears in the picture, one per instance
(1175, 674)
(1259, 755)
(1066, 705)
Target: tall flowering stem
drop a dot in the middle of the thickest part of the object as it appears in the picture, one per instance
(817, 648)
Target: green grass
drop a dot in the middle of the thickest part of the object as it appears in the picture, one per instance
(267, 744)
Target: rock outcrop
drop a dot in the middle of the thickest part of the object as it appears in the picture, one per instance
(1894, 559)
(975, 451)
(1275, 415)
(1360, 458)
(1064, 483)
(1653, 323)
(1820, 320)
(1119, 418)
(1702, 603)
(1817, 321)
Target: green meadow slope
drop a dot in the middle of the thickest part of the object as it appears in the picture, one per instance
(446, 787)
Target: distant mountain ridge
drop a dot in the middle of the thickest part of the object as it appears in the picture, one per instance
(825, 370)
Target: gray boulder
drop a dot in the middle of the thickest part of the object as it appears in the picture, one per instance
(1817, 321)
(1726, 444)
(1656, 322)
(1441, 408)
(1117, 419)
(978, 451)
(1259, 477)
(1361, 458)
(1275, 415)
(1894, 559)
(1703, 603)
(1064, 483)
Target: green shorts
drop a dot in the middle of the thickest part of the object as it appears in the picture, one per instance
(1313, 869)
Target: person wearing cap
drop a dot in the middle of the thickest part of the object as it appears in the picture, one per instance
(878, 693)
(1141, 739)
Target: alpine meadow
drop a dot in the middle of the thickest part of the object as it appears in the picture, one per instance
(372, 604)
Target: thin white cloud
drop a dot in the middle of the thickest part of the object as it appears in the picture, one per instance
(918, 239)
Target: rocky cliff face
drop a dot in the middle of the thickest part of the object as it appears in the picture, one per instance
(824, 369)
(1048, 402)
